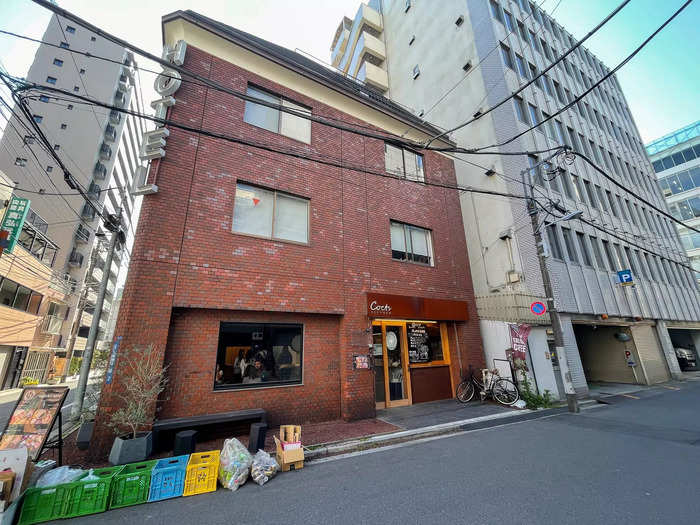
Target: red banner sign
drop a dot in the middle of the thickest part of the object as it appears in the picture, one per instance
(518, 340)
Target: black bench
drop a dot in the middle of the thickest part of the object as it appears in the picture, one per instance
(210, 426)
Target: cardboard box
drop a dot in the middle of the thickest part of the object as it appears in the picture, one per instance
(7, 478)
(289, 449)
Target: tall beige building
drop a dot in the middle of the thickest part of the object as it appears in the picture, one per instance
(100, 148)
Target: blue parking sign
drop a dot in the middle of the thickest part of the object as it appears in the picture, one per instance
(625, 277)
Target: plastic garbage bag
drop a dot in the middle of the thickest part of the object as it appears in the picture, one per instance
(59, 475)
(234, 464)
(91, 476)
(264, 467)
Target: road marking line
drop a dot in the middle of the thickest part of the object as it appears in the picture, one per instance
(671, 387)
(630, 396)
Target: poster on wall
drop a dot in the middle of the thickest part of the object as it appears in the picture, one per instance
(32, 419)
(518, 341)
(418, 343)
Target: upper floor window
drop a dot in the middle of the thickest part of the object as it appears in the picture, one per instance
(411, 243)
(37, 118)
(19, 297)
(270, 214)
(65, 45)
(403, 162)
(70, 29)
(50, 80)
(58, 62)
(496, 11)
(272, 119)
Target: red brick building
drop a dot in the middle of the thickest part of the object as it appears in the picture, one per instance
(260, 276)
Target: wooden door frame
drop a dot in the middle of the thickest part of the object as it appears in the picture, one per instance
(408, 400)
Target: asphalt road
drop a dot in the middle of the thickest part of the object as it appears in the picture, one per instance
(634, 462)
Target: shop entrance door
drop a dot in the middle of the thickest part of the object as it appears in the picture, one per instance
(392, 380)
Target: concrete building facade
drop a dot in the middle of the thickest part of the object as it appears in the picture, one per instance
(33, 304)
(676, 161)
(454, 62)
(100, 148)
(330, 293)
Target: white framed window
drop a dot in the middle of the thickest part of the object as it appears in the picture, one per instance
(404, 163)
(411, 243)
(272, 119)
(270, 214)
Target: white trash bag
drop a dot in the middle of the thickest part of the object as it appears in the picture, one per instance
(234, 464)
(264, 467)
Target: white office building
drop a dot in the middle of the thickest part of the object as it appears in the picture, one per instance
(452, 60)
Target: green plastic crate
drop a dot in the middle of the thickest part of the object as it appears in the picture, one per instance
(91, 497)
(44, 504)
(131, 485)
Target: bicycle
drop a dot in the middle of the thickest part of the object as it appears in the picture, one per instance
(502, 390)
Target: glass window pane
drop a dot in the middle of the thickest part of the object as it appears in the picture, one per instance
(420, 244)
(258, 354)
(598, 255)
(393, 159)
(584, 249)
(22, 298)
(414, 168)
(689, 154)
(398, 241)
(674, 184)
(695, 206)
(262, 116)
(696, 150)
(554, 245)
(667, 162)
(695, 175)
(665, 189)
(295, 127)
(7, 292)
(252, 210)
(686, 180)
(686, 211)
(678, 158)
(291, 218)
(569, 242)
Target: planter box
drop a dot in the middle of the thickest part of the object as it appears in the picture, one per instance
(131, 450)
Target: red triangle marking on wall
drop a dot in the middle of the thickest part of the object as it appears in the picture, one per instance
(255, 201)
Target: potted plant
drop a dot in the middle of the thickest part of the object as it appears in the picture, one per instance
(145, 380)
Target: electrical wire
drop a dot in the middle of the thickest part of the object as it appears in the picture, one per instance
(594, 85)
(536, 77)
(300, 154)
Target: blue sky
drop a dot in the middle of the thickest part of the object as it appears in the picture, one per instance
(661, 84)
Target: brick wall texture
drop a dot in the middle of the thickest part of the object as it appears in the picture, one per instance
(189, 271)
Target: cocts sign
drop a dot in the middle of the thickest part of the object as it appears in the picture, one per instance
(384, 309)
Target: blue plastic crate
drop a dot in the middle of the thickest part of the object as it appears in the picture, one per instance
(168, 478)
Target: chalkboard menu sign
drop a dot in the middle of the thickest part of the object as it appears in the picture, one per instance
(32, 418)
(418, 345)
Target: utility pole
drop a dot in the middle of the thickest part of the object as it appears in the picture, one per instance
(571, 399)
(85, 365)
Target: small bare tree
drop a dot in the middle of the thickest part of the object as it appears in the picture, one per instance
(145, 380)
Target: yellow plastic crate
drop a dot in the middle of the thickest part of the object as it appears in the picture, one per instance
(201, 473)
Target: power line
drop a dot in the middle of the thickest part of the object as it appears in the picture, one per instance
(321, 159)
(635, 195)
(395, 139)
(536, 77)
(487, 18)
(594, 85)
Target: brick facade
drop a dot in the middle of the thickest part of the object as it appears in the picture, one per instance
(189, 271)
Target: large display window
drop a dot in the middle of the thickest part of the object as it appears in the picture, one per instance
(254, 355)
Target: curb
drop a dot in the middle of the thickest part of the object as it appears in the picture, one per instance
(382, 440)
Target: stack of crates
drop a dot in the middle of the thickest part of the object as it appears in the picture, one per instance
(69, 500)
(122, 486)
(131, 485)
(202, 470)
(168, 478)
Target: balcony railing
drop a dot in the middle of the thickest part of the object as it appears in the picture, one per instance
(115, 117)
(99, 171)
(52, 325)
(110, 133)
(105, 151)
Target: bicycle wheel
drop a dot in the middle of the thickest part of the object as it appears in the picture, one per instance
(505, 392)
(465, 391)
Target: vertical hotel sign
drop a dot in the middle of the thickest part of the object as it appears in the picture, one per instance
(14, 219)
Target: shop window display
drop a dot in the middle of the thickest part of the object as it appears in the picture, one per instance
(258, 355)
